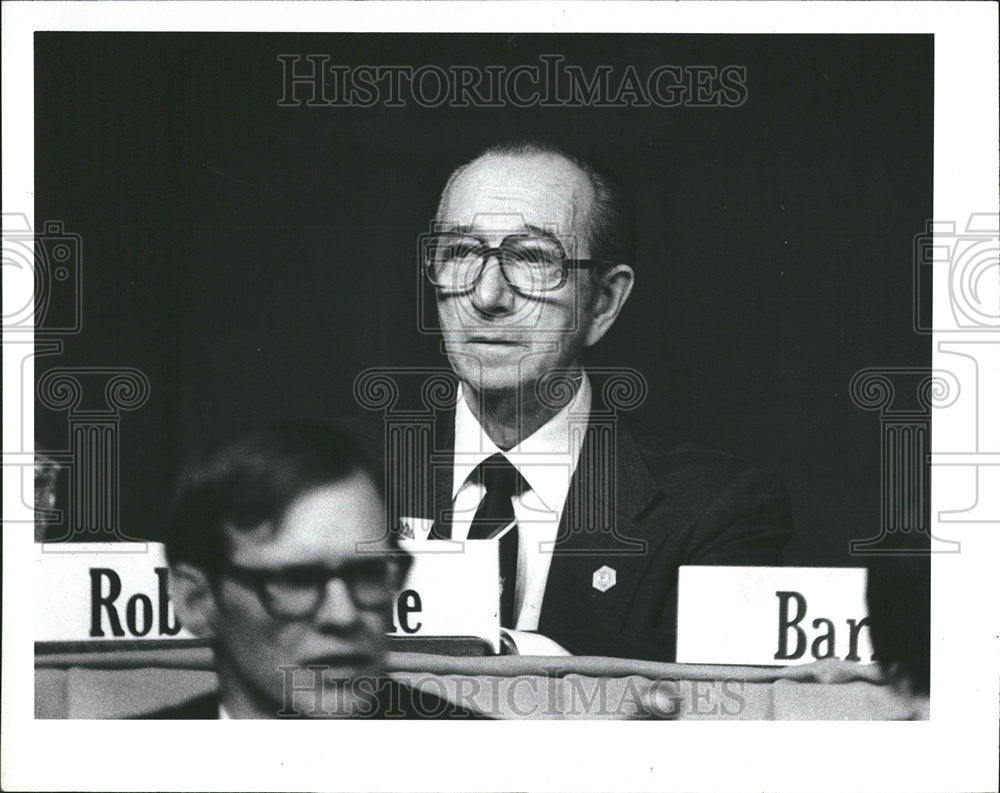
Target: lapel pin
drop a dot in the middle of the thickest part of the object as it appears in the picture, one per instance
(604, 578)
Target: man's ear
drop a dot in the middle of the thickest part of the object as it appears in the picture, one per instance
(611, 290)
(193, 599)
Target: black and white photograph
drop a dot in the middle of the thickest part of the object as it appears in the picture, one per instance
(496, 362)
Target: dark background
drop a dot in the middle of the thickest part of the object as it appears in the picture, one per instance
(252, 259)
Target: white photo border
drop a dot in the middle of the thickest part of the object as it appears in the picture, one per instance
(955, 750)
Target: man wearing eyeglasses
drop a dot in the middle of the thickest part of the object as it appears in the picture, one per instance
(530, 260)
(279, 556)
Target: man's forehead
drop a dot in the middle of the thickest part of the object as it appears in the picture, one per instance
(322, 525)
(501, 192)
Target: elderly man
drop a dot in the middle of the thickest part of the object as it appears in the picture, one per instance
(278, 555)
(530, 260)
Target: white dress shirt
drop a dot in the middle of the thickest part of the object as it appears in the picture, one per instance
(546, 460)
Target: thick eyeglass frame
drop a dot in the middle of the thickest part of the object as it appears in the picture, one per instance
(258, 578)
(484, 252)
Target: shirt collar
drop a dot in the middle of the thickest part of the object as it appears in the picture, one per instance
(546, 459)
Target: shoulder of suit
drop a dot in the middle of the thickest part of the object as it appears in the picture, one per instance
(205, 706)
(666, 460)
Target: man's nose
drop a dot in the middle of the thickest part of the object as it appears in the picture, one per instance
(492, 294)
(338, 608)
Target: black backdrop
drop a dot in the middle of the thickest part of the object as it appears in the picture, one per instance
(252, 259)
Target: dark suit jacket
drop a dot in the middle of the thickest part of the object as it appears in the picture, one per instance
(394, 701)
(638, 507)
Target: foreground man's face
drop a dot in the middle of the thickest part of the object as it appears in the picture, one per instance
(499, 339)
(322, 528)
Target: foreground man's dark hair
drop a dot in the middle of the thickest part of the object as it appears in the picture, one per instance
(251, 478)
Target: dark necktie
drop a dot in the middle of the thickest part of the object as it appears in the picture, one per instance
(502, 482)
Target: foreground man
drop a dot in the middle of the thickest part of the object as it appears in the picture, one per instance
(278, 555)
(531, 263)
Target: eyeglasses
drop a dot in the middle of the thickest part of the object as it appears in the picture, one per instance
(454, 261)
(298, 592)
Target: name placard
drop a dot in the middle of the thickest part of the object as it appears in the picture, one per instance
(116, 591)
(103, 591)
(772, 616)
(451, 590)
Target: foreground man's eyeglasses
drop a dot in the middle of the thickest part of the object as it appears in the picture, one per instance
(299, 592)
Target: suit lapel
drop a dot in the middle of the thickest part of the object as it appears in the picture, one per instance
(602, 524)
(601, 527)
(419, 462)
(442, 468)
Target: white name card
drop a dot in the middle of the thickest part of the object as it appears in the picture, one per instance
(101, 591)
(115, 591)
(451, 590)
(771, 616)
